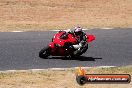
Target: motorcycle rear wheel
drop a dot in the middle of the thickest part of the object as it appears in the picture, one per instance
(44, 53)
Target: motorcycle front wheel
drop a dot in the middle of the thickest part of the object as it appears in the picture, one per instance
(44, 53)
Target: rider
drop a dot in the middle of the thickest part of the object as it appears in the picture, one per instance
(80, 37)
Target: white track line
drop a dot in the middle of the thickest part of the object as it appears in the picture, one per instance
(53, 69)
(106, 28)
(65, 30)
(88, 29)
(82, 29)
(17, 31)
(55, 30)
(85, 29)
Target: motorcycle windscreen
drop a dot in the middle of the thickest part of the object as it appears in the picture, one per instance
(90, 38)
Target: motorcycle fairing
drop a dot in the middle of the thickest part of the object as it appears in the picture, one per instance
(90, 38)
(58, 40)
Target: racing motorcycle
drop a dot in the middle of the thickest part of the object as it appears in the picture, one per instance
(61, 45)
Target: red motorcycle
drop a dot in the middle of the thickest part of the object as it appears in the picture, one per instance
(60, 45)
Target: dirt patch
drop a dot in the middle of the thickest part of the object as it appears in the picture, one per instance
(39, 15)
(58, 79)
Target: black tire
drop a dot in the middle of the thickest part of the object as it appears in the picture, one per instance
(45, 52)
(81, 80)
(52, 39)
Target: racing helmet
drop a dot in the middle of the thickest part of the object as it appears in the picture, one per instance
(78, 31)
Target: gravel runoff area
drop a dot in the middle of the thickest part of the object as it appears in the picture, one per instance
(40, 15)
(65, 78)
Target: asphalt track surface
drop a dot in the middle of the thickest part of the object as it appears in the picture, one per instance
(19, 51)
